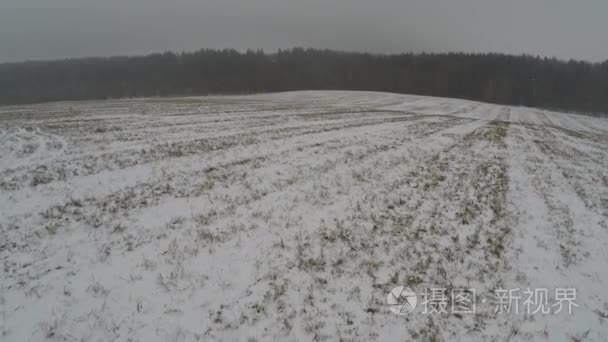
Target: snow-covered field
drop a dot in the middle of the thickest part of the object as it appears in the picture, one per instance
(291, 216)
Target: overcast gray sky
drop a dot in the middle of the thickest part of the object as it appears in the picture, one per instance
(44, 29)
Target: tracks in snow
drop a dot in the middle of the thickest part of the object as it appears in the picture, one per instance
(291, 215)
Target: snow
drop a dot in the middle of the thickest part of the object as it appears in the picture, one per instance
(291, 216)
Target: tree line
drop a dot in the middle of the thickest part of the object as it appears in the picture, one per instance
(497, 78)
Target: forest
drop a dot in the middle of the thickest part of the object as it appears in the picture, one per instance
(575, 86)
